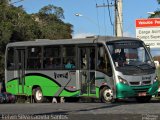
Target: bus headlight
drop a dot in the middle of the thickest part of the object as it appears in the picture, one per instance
(121, 80)
(155, 79)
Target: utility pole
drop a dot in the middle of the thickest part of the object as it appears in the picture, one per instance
(118, 24)
(118, 18)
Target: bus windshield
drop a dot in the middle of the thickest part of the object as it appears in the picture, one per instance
(130, 55)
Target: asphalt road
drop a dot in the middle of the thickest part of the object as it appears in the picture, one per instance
(124, 110)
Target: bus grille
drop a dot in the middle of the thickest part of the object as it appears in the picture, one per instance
(146, 82)
(137, 83)
(140, 89)
(134, 83)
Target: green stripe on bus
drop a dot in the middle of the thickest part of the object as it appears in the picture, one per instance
(48, 86)
(66, 93)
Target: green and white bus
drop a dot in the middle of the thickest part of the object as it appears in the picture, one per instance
(108, 68)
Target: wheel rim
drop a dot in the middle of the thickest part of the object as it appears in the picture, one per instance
(108, 95)
(38, 95)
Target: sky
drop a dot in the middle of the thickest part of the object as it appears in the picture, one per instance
(95, 21)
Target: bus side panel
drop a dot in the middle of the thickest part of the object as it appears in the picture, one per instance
(99, 79)
(97, 92)
(66, 93)
(102, 80)
(48, 86)
(72, 88)
(11, 81)
(52, 87)
(12, 86)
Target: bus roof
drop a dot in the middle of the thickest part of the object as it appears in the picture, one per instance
(94, 39)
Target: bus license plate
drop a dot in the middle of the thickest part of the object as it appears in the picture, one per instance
(142, 94)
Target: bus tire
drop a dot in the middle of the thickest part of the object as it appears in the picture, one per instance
(106, 95)
(143, 99)
(38, 95)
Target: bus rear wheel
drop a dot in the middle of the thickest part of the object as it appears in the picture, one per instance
(106, 95)
(38, 95)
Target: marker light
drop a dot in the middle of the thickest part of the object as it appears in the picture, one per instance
(155, 79)
(121, 80)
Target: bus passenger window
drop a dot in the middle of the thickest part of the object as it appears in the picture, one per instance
(101, 58)
(83, 58)
(69, 57)
(10, 59)
(34, 60)
(92, 59)
(57, 63)
(104, 64)
(101, 64)
(69, 64)
(52, 57)
(49, 63)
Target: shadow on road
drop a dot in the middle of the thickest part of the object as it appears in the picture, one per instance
(75, 111)
(103, 106)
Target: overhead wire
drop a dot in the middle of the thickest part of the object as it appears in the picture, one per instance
(97, 13)
(104, 15)
(105, 26)
(109, 13)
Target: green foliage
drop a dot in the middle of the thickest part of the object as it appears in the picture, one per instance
(54, 10)
(50, 23)
(158, 73)
(157, 12)
(156, 15)
(17, 25)
(2, 67)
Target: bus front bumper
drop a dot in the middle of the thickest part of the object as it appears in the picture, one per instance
(126, 91)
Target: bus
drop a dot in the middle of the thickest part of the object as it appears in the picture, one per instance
(104, 67)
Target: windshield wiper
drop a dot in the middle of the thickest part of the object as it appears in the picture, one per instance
(146, 64)
(137, 66)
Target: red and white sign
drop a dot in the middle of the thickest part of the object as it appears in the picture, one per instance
(148, 30)
(153, 22)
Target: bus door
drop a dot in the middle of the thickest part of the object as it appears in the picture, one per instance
(87, 70)
(21, 69)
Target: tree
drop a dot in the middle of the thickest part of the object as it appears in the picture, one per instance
(156, 13)
(54, 10)
(17, 25)
(5, 2)
(51, 25)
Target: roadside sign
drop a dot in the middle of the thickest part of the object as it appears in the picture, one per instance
(148, 30)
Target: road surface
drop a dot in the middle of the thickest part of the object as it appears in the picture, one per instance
(127, 110)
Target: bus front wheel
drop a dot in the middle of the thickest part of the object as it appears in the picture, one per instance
(106, 95)
(38, 95)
